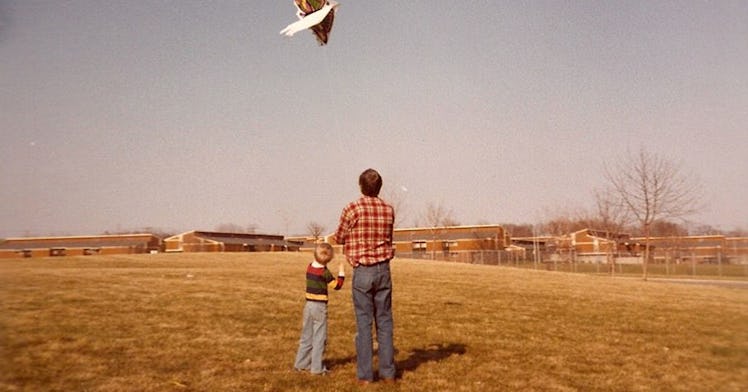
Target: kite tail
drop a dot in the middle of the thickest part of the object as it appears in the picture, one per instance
(308, 21)
(292, 29)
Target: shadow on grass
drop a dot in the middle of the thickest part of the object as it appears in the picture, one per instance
(419, 356)
(432, 353)
(335, 362)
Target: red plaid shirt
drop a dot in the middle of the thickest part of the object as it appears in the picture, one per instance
(365, 229)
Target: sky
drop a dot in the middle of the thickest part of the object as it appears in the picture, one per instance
(186, 115)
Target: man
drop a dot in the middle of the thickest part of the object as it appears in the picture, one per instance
(365, 230)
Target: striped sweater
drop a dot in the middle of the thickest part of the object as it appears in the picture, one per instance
(318, 280)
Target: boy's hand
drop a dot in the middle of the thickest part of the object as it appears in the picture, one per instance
(341, 269)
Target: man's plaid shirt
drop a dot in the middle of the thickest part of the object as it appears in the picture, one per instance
(365, 229)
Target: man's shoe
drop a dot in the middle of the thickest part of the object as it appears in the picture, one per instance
(363, 382)
(388, 380)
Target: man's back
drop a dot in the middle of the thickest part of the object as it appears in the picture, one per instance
(365, 229)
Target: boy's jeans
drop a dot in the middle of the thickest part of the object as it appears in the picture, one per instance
(313, 338)
(372, 302)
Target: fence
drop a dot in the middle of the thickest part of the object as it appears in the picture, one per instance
(547, 261)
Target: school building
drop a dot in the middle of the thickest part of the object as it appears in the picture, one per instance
(208, 241)
(79, 245)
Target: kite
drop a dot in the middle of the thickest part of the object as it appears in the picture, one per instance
(316, 15)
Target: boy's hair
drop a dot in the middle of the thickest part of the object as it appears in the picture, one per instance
(370, 182)
(323, 253)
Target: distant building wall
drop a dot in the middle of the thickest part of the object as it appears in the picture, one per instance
(190, 242)
(702, 249)
(452, 242)
(79, 245)
(205, 241)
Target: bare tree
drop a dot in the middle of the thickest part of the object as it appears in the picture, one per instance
(315, 230)
(663, 228)
(611, 217)
(610, 214)
(518, 230)
(563, 221)
(450, 221)
(287, 216)
(705, 229)
(437, 218)
(651, 188)
(561, 226)
(396, 198)
(234, 228)
(252, 228)
(436, 215)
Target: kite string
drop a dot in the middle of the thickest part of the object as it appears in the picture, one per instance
(334, 109)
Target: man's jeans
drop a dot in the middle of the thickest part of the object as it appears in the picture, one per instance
(313, 338)
(372, 302)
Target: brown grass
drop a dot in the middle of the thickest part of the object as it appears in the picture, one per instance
(230, 322)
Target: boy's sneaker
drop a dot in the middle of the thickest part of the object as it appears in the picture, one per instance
(324, 372)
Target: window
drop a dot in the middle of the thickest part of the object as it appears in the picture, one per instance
(447, 245)
(419, 246)
(57, 252)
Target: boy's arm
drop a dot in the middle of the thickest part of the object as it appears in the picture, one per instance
(341, 277)
(337, 284)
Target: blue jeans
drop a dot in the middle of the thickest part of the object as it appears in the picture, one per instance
(372, 302)
(313, 338)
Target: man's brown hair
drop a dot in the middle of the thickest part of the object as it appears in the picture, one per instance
(370, 182)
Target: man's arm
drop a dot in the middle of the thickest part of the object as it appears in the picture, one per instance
(344, 226)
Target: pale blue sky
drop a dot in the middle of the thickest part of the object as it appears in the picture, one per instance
(181, 115)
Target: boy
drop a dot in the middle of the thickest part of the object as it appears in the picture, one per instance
(314, 329)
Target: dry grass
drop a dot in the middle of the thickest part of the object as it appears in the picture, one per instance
(230, 322)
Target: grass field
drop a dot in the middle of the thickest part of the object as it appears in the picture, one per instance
(230, 322)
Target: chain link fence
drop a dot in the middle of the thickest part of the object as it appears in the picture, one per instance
(618, 266)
